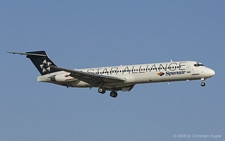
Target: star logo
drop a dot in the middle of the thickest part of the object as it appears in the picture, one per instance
(161, 74)
(45, 66)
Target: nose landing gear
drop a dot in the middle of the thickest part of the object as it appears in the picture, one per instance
(203, 82)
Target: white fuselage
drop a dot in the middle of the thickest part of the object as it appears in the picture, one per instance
(136, 74)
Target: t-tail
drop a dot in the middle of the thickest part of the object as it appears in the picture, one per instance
(40, 60)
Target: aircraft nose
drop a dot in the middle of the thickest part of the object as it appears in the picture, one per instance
(211, 72)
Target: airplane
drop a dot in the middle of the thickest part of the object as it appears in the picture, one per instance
(117, 78)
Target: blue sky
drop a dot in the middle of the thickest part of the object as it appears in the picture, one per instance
(83, 34)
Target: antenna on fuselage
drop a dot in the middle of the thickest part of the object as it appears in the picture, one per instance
(171, 60)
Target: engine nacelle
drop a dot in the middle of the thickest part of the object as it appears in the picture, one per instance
(59, 77)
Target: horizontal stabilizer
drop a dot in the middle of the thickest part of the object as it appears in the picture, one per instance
(27, 53)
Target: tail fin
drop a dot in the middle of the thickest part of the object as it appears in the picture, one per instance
(40, 60)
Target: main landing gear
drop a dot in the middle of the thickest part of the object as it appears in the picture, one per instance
(112, 93)
(101, 90)
(203, 82)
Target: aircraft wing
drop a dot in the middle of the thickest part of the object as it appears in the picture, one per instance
(90, 78)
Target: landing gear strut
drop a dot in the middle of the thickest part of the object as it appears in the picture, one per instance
(113, 94)
(101, 90)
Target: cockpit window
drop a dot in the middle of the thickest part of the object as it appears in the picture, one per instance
(198, 64)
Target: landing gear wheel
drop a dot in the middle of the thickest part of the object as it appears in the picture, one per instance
(101, 90)
(203, 84)
(113, 94)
